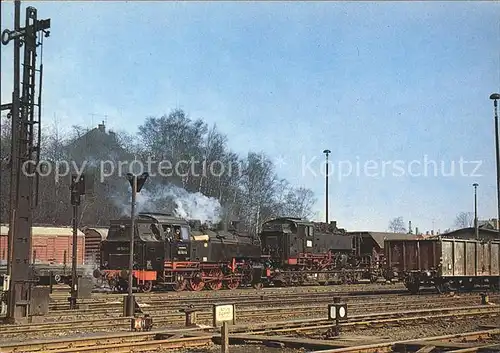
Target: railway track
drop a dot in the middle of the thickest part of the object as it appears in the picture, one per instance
(169, 317)
(147, 341)
(164, 310)
(107, 303)
(246, 293)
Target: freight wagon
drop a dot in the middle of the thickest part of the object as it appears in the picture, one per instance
(447, 264)
(51, 251)
(93, 239)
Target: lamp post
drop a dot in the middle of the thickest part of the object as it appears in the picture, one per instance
(495, 97)
(476, 225)
(136, 183)
(77, 189)
(326, 152)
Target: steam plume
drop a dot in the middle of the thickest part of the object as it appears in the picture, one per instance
(177, 201)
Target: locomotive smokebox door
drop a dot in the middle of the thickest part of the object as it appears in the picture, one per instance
(85, 287)
(39, 303)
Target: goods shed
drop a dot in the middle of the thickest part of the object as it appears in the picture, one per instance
(50, 245)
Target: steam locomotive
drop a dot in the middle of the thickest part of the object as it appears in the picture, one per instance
(177, 254)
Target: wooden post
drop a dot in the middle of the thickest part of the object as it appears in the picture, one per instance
(224, 337)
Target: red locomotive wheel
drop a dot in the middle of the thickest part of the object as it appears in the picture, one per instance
(233, 284)
(216, 284)
(196, 284)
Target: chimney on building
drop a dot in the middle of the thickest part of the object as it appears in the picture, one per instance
(101, 127)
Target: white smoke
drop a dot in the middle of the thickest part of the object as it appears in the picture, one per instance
(177, 201)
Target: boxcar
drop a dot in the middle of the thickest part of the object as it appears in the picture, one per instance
(51, 252)
(50, 245)
(447, 264)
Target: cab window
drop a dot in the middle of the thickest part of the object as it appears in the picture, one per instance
(184, 234)
(177, 233)
(167, 231)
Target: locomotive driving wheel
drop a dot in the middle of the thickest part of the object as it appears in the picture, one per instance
(216, 282)
(147, 287)
(196, 283)
(180, 284)
(233, 283)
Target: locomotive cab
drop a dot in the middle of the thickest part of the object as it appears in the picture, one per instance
(177, 242)
(148, 247)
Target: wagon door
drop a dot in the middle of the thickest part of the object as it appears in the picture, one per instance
(495, 259)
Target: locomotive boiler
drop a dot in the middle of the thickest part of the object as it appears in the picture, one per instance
(178, 254)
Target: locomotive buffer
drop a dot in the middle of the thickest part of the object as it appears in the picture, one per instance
(22, 298)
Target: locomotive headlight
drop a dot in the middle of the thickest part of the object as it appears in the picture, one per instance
(428, 273)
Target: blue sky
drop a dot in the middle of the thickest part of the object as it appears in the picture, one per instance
(380, 81)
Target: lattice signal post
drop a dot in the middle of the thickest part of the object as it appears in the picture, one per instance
(25, 113)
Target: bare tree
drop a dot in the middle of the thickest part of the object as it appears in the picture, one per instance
(249, 189)
(397, 225)
(464, 220)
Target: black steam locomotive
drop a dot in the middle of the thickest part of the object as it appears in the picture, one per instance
(175, 253)
(301, 251)
(178, 254)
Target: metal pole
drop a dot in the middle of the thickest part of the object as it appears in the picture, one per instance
(14, 136)
(130, 298)
(326, 189)
(74, 282)
(476, 225)
(495, 97)
(326, 152)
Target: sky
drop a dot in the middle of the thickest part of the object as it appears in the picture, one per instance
(394, 84)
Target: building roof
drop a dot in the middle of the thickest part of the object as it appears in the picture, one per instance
(469, 232)
(487, 224)
(45, 231)
(96, 145)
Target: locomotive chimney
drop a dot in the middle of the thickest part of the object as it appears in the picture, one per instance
(102, 127)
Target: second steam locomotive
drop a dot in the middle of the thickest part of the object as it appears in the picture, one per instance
(173, 253)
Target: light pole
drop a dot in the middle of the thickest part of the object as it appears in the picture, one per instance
(495, 97)
(136, 183)
(326, 152)
(77, 189)
(476, 225)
